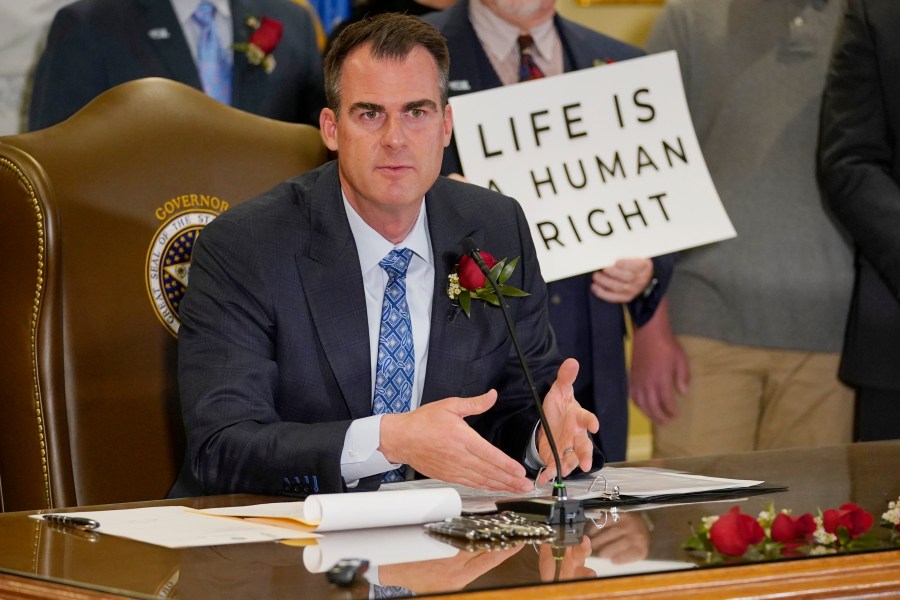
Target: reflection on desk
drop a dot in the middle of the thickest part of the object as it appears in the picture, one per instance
(33, 555)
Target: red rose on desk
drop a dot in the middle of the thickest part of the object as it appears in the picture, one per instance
(267, 35)
(786, 529)
(795, 534)
(776, 534)
(470, 275)
(734, 532)
(849, 516)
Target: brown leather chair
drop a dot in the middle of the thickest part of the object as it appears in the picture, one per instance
(97, 218)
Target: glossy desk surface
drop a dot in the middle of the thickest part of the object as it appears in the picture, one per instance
(37, 560)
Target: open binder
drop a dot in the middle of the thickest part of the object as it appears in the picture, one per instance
(630, 486)
(616, 486)
(611, 500)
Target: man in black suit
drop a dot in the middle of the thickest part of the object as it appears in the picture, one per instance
(859, 161)
(280, 323)
(94, 45)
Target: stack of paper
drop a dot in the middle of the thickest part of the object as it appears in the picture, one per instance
(181, 527)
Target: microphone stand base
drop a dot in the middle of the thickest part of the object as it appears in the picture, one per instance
(545, 510)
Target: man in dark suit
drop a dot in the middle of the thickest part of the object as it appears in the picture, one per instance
(859, 162)
(94, 45)
(280, 345)
(586, 311)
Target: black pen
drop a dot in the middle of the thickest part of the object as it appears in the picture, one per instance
(74, 522)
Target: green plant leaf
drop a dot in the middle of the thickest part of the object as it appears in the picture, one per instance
(465, 302)
(508, 270)
(496, 270)
(489, 297)
(508, 290)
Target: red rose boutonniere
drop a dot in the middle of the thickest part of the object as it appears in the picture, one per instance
(467, 281)
(263, 41)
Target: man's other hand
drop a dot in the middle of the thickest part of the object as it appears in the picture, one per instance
(623, 281)
(570, 424)
(659, 368)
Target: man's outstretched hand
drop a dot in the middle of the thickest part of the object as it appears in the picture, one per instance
(436, 441)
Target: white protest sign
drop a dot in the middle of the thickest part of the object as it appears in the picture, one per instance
(604, 162)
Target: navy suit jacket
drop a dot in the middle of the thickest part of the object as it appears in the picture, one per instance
(274, 344)
(859, 158)
(587, 328)
(94, 45)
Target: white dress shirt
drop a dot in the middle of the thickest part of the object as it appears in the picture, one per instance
(360, 457)
(500, 41)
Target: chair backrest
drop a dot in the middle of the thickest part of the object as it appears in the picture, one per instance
(97, 219)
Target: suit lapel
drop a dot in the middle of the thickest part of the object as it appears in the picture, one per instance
(583, 48)
(577, 53)
(333, 285)
(451, 331)
(470, 63)
(244, 76)
(171, 49)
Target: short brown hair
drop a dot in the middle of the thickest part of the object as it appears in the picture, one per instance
(392, 36)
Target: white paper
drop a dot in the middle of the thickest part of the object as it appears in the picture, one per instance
(407, 544)
(604, 567)
(335, 512)
(607, 142)
(181, 527)
(632, 481)
(645, 482)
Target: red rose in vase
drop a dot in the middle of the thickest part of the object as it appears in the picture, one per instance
(470, 276)
(849, 516)
(734, 532)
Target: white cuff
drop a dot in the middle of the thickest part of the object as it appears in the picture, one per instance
(532, 457)
(360, 456)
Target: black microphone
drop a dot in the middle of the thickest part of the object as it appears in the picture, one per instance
(558, 509)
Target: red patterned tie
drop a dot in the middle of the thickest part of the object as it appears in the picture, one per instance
(528, 69)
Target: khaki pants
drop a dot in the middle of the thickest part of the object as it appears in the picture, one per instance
(745, 398)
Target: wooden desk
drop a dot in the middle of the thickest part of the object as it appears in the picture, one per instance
(39, 562)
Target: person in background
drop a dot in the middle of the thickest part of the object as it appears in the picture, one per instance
(94, 45)
(860, 172)
(319, 351)
(23, 27)
(370, 8)
(588, 312)
(758, 318)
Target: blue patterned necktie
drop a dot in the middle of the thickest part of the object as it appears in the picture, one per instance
(396, 357)
(390, 591)
(528, 69)
(212, 59)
